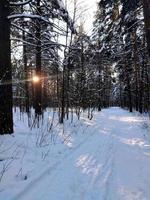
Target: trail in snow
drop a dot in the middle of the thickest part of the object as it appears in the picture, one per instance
(112, 163)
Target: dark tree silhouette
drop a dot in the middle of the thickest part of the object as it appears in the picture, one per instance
(6, 119)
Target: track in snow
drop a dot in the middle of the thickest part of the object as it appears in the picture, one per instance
(111, 164)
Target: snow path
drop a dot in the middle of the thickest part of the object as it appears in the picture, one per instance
(112, 163)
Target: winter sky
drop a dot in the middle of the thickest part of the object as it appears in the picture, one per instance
(88, 9)
(91, 5)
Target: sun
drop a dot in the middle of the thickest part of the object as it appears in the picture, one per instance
(35, 79)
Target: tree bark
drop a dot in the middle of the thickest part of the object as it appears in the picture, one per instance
(99, 87)
(6, 103)
(136, 69)
(146, 11)
(25, 69)
(38, 85)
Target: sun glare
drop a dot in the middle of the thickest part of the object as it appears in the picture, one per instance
(35, 79)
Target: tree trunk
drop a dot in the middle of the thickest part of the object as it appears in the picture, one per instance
(82, 77)
(128, 75)
(141, 87)
(99, 87)
(25, 69)
(6, 116)
(136, 69)
(63, 95)
(146, 10)
(38, 85)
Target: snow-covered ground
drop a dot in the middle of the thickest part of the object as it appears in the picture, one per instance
(106, 158)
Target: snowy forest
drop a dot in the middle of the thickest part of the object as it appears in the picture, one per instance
(63, 88)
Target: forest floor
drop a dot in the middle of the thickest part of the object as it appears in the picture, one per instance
(106, 158)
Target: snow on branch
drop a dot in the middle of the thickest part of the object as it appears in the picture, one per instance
(20, 3)
(31, 16)
(58, 4)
